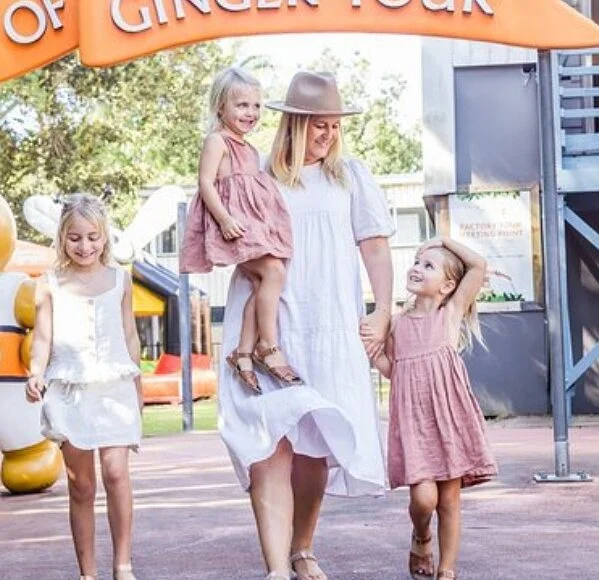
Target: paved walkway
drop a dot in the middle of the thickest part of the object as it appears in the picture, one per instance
(192, 521)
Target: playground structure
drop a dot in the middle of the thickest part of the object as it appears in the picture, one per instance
(108, 33)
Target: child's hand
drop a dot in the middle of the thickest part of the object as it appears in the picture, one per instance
(231, 228)
(373, 332)
(432, 243)
(35, 389)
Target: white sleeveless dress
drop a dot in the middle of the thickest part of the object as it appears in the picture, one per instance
(91, 400)
(334, 415)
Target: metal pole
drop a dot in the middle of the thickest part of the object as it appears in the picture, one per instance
(184, 328)
(551, 268)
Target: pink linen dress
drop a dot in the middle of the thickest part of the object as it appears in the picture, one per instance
(436, 427)
(251, 196)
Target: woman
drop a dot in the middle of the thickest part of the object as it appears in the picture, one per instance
(290, 445)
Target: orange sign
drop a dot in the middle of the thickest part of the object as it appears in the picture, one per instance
(35, 33)
(117, 30)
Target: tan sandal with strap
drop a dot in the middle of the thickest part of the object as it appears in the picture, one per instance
(247, 376)
(87, 577)
(421, 567)
(305, 555)
(277, 576)
(123, 572)
(449, 574)
(283, 373)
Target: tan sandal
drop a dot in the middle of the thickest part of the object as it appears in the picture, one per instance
(283, 373)
(87, 577)
(123, 572)
(421, 567)
(247, 377)
(449, 574)
(277, 576)
(305, 555)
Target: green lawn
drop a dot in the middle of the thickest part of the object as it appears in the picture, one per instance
(164, 419)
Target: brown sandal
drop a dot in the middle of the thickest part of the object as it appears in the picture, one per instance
(247, 377)
(283, 373)
(421, 567)
(449, 574)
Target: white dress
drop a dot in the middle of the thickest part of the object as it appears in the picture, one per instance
(334, 415)
(91, 400)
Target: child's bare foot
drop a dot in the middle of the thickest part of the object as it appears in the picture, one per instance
(271, 360)
(422, 565)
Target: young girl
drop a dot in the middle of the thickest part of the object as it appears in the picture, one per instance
(239, 217)
(84, 364)
(437, 442)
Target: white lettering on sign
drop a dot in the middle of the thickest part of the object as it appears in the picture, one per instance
(482, 4)
(144, 18)
(39, 14)
(201, 5)
(435, 5)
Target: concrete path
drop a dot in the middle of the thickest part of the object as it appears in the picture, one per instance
(192, 520)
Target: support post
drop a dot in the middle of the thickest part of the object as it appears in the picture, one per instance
(184, 327)
(553, 281)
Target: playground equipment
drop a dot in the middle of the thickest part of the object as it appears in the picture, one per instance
(30, 463)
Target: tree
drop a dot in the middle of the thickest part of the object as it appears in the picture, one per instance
(68, 128)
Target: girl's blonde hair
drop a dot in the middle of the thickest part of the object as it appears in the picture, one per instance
(454, 270)
(89, 208)
(289, 151)
(223, 86)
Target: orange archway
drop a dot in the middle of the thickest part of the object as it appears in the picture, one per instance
(106, 32)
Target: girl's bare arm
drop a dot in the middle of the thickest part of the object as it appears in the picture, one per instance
(131, 336)
(213, 151)
(42, 341)
(476, 266)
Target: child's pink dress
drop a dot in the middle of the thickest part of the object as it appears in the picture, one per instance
(436, 428)
(251, 196)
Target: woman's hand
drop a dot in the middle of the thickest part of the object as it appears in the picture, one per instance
(231, 228)
(35, 389)
(373, 332)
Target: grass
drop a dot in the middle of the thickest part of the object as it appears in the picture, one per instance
(164, 419)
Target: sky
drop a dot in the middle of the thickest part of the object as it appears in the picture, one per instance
(387, 53)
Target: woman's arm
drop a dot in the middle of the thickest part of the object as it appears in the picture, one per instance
(42, 341)
(213, 151)
(376, 254)
(131, 336)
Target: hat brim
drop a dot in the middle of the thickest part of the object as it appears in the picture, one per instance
(283, 108)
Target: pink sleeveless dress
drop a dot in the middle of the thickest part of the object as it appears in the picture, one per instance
(436, 427)
(252, 198)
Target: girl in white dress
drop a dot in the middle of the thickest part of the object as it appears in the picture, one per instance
(291, 445)
(85, 367)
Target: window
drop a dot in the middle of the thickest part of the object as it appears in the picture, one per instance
(411, 226)
(167, 241)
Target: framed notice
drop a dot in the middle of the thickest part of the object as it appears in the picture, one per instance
(500, 226)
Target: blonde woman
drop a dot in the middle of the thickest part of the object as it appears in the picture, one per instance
(85, 367)
(292, 445)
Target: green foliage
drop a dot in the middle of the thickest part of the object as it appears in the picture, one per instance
(68, 128)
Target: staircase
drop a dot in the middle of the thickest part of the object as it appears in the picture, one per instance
(576, 110)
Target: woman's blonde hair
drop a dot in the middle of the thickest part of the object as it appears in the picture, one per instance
(89, 208)
(289, 152)
(223, 87)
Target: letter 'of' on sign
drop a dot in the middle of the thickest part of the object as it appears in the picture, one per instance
(40, 16)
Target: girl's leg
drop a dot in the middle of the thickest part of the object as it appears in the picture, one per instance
(119, 501)
(271, 274)
(449, 512)
(309, 480)
(272, 502)
(423, 502)
(81, 477)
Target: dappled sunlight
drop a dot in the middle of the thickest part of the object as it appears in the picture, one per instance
(44, 540)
